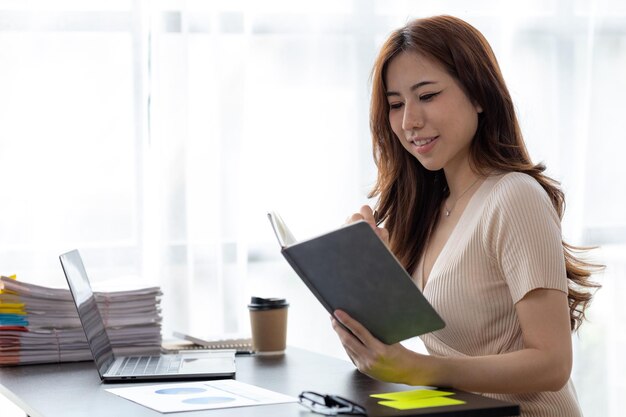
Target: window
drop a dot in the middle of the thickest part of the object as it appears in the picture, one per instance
(155, 135)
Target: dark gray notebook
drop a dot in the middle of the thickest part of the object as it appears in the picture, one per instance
(351, 269)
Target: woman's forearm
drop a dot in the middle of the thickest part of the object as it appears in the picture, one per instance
(527, 370)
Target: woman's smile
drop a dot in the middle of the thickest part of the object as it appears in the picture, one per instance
(424, 144)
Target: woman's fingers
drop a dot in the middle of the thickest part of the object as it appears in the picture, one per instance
(354, 218)
(353, 347)
(368, 215)
(358, 330)
(365, 213)
(348, 340)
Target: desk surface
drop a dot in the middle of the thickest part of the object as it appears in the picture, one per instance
(75, 390)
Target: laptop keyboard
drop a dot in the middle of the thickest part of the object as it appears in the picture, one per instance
(150, 365)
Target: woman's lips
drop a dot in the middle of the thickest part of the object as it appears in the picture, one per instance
(424, 144)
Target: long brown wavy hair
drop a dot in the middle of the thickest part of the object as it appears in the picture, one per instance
(410, 196)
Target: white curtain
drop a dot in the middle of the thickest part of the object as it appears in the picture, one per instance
(154, 136)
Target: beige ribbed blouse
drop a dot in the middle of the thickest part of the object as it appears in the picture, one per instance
(506, 243)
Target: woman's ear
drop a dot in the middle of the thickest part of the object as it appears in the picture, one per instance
(478, 108)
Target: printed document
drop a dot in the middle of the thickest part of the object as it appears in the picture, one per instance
(203, 395)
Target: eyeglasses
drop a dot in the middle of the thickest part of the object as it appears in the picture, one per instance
(329, 405)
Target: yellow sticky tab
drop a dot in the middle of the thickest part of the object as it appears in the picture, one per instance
(12, 308)
(11, 305)
(417, 394)
(3, 291)
(16, 311)
(423, 403)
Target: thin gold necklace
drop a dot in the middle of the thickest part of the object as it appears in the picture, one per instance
(449, 210)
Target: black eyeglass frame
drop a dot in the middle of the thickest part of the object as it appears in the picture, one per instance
(330, 405)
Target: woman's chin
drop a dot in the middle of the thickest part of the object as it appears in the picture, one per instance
(430, 165)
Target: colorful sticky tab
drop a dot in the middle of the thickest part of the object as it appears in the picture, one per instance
(12, 308)
(13, 320)
(2, 290)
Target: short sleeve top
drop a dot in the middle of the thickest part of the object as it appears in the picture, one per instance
(507, 243)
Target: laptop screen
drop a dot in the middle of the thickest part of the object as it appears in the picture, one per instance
(88, 312)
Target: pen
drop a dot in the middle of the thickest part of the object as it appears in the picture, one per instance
(377, 220)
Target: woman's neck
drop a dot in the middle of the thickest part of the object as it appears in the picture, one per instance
(460, 179)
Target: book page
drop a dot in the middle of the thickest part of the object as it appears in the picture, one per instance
(283, 234)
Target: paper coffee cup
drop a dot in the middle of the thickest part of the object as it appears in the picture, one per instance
(268, 320)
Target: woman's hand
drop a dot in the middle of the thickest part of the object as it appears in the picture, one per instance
(391, 363)
(367, 214)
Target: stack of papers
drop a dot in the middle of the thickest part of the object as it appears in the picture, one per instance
(40, 324)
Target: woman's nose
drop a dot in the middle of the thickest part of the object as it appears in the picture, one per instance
(413, 118)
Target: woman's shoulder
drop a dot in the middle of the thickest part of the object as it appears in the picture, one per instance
(516, 180)
(518, 205)
(517, 190)
(517, 185)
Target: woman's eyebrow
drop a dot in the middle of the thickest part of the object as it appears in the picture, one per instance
(413, 88)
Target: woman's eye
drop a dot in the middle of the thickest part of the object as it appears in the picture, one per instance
(395, 105)
(428, 97)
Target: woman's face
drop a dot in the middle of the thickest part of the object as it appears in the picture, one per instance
(429, 112)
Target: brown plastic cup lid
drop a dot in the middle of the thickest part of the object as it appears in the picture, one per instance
(258, 303)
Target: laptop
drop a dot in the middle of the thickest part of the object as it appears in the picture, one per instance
(112, 368)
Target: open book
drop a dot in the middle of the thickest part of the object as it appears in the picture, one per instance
(351, 269)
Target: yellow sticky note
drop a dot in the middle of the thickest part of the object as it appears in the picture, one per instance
(422, 403)
(417, 394)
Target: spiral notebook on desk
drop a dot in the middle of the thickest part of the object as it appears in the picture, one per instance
(242, 344)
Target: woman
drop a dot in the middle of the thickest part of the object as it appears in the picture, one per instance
(475, 223)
